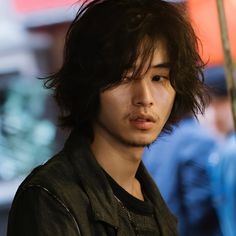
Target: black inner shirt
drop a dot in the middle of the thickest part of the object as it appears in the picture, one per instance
(139, 214)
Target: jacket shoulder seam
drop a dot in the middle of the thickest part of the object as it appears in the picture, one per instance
(58, 200)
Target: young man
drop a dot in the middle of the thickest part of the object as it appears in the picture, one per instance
(131, 69)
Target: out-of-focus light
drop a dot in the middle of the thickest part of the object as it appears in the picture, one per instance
(25, 6)
(12, 34)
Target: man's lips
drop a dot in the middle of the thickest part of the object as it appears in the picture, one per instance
(144, 117)
(142, 121)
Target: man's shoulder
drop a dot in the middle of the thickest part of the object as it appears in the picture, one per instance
(56, 176)
(55, 169)
(52, 188)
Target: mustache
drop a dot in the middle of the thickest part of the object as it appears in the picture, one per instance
(150, 116)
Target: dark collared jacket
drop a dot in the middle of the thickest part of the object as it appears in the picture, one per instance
(70, 195)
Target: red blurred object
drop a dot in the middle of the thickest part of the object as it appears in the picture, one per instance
(27, 6)
(206, 24)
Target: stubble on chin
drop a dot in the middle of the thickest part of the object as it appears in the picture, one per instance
(122, 139)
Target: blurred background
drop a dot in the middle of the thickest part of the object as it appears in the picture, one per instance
(31, 43)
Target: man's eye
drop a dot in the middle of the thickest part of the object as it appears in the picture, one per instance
(158, 78)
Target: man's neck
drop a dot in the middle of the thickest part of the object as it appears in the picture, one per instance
(120, 161)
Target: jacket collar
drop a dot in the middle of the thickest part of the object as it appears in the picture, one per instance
(167, 221)
(92, 179)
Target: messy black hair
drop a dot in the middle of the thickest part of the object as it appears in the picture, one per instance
(104, 41)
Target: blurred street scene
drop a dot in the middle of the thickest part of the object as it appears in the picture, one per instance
(31, 40)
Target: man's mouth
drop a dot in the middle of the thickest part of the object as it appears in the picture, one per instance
(142, 121)
(142, 117)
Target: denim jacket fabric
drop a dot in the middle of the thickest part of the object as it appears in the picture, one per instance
(70, 195)
(222, 169)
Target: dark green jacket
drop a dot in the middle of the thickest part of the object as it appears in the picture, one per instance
(70, 195)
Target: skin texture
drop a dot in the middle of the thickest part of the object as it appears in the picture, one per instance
(132, 114)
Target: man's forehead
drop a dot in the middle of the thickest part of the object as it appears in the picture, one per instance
(157, 58)
(160, 54)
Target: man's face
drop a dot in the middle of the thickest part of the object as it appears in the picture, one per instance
(134, 112)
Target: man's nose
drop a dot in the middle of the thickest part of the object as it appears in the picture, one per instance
(142, 93)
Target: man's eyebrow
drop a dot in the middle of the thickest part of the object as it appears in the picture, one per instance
(161, 65)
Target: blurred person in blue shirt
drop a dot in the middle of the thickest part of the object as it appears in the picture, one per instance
(223, 175)
(222, 162)
(178, 163)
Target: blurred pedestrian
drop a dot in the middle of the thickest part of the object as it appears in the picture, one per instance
(222, 161)
(179, 163)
